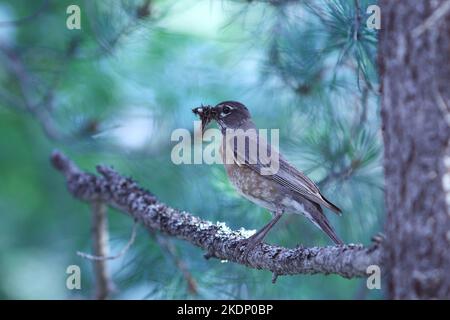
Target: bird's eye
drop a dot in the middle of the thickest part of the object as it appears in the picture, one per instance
(226, 110)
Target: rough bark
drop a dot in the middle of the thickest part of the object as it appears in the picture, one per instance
(415, 74)
(218, 240)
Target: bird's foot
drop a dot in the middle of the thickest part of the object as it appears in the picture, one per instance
(249, 244)
(210, 253)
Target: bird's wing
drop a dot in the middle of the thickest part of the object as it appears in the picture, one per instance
(296, 175)
(286, 175)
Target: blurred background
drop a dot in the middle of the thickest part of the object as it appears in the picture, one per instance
(113, 91)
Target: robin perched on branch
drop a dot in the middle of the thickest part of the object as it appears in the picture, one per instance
(277, 186)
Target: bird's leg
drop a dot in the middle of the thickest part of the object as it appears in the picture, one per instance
(259, 236)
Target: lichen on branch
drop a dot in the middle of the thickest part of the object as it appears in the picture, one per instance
(216, 239)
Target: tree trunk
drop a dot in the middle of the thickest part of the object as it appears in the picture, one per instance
(415, 75)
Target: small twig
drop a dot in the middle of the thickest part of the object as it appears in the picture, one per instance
(179, 263)
(364, 100)
(341, 174)
(443, 106)
(103, 283)
(437, 15)
(274, 277)
(357, 20)
(378, 238)
(116, 256)
(361, 109)
(42, 8)
(25, 81)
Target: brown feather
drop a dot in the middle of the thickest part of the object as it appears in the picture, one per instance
(287, 176)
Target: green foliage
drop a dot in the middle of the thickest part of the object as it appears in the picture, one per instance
(117, 88)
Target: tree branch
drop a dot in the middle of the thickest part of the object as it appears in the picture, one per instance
(220, 242)
(103, 285)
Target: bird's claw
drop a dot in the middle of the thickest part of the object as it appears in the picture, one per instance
(249, 244)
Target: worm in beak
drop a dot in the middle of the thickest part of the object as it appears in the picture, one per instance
(206, 114)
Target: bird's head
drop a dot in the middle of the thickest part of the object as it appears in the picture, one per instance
(227, 114)
(231, 115)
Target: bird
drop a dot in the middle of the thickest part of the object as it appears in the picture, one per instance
(286, 190)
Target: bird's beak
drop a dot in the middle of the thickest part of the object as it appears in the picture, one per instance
(206, 113)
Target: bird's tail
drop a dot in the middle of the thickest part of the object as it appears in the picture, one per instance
(321, 221)
(328, 229)
(332, 206)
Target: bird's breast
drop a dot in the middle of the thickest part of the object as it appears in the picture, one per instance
(252, 185)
